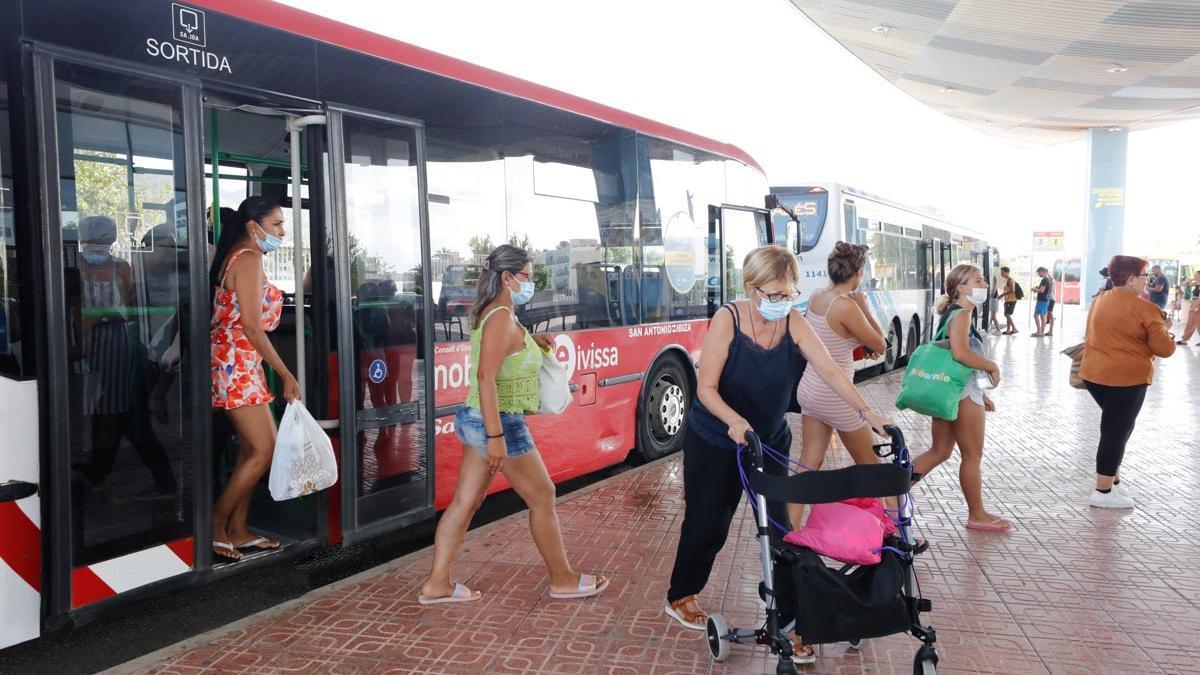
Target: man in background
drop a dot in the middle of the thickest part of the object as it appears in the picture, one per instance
(1044, 291)
(1159, 288)
(1008, 291)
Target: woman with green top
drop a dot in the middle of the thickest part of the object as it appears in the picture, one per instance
(505, 360)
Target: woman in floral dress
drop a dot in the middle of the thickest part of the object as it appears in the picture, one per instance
(239, 348)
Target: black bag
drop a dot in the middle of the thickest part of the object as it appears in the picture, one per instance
(1020, 292)
(831, 606)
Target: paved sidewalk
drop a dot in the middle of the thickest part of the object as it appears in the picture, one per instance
(1072, 590)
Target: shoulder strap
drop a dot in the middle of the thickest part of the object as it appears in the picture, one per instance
(229, 263)
(489, 315)
(737, 324)
(944, 331)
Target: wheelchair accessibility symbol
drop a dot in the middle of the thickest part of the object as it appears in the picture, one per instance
(377, 371)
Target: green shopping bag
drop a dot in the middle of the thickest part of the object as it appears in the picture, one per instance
(933, 382)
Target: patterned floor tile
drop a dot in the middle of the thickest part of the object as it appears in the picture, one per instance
(1071, 590)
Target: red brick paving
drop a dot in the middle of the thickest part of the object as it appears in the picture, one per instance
(1072, 590)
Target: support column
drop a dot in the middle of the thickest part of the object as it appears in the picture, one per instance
(1105, 234)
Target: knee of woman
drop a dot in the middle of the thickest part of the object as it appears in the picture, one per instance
(258, 461)
(941, 454)
(543, 497)
(468, 503)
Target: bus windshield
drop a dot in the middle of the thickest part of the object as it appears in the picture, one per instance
(809, 209)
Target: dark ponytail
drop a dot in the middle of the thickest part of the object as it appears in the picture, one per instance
(234, 230)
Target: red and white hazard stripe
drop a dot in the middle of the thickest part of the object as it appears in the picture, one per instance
(102, 580)
(21, 534)
(20, 570)
(20, 521)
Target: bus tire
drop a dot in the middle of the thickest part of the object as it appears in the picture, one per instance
(663, 409)
(910, 343)
(891, 359)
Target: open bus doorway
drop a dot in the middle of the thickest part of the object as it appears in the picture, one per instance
(248, 151)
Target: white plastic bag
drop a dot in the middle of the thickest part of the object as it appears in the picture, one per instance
(554, 391)
(304, 462)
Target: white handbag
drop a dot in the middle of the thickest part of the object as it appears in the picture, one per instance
(304, 461)
(554, 391)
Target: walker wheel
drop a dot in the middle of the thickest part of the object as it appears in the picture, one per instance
(718, 637)
(926, 661)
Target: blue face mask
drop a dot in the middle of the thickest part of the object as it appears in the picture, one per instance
(95, 257)
(774, 311)
(269, 244)
(524, 295)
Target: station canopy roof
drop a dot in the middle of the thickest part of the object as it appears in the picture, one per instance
(1032, 70)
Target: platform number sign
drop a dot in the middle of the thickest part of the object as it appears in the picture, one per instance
(377, 371)
(1048, 241)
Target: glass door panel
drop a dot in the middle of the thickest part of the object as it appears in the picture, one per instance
(743, 230)
(125, 280)
(384, 377)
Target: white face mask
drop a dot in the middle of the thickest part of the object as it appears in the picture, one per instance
(979, 296)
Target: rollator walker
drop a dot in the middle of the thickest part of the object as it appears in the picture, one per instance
(846, 604)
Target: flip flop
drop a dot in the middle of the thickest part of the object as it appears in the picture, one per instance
(994, 525)
(589, 585)
(226, 550)
(461, 594)
(258, 544)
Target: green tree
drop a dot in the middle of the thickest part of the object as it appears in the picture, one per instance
(481, 246)
(102, 189)
(521, 241)
(541, 277)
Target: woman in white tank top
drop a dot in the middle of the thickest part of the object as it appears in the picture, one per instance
(842, 319)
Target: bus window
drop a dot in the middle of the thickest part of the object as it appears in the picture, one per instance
(810, 207)
(741, 237)
(126, 286)
(11, 360)
(566, 200)
(677, 185)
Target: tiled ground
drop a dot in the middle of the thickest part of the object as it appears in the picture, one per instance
(1072, 590)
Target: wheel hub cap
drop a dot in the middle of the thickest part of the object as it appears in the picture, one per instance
(670, 409)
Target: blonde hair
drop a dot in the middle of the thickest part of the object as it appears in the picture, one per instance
(958, 276)
(770, 263)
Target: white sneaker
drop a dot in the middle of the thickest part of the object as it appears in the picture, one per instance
(1123, 490)
(1112, 500)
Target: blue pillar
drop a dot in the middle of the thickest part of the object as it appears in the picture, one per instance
(1105, 236)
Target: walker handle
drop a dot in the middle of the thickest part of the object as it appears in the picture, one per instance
(885, 450)
(754, 442)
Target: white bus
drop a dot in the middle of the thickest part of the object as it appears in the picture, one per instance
(911, 251)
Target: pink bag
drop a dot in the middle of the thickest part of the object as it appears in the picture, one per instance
(850, 531)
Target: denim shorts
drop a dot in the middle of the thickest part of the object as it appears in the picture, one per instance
(468, 426)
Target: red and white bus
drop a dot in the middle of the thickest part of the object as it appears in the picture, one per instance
(398, 169)
(1066, 280)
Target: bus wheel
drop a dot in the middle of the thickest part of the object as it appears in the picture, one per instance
(910, 344)
(892, 358)
(664, 406)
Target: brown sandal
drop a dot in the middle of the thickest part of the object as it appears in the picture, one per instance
(802, 653)
(687, 612)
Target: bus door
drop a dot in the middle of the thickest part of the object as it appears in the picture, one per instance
(249, 149)
(126, 314)
(733, 231)
(939, 260)
(384, 362)
(990, 263)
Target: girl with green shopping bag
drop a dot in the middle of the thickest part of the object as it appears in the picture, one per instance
(958, 417)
